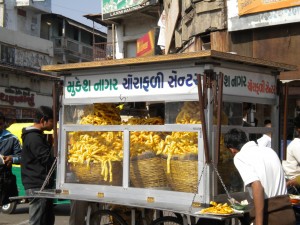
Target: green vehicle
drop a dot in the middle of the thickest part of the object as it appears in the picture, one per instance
(16, 170)
(11, 207)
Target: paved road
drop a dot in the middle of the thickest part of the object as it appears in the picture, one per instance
(20, 217)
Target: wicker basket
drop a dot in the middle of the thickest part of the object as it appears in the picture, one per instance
(183, 174)
(92, 174)
(146, 171)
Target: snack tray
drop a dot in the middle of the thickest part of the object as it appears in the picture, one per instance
(220, 214)
(295, 197)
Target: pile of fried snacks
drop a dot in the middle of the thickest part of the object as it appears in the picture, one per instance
(218, 208)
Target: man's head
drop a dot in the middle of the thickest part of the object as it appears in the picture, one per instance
(2, 121)
(297, 125)
(44, 118)
(234, 140)
(297, 122)
(268, 124)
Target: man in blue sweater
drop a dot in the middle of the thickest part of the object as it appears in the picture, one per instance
(36, 162)
(10, 152)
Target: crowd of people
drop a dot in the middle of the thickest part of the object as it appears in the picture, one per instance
(37, 158)
(268, 180)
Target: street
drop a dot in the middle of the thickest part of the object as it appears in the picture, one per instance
(20, 216)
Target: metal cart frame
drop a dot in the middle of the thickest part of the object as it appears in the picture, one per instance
(235, 70)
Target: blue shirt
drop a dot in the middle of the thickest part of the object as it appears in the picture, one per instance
(10, 146)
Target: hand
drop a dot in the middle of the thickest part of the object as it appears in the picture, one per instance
(8, 160)
(292, 182)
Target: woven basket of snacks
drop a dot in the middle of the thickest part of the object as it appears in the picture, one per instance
(96, 157)
(181, 151)
(182, 172)
(98, 173)
(146, 171)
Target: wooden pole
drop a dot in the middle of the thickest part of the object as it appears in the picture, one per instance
(202, 117)
(219, 115)
(286, 92)
(55, 119)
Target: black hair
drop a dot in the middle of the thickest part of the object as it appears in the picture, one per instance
(235, 138)
(267, 121)
(2, 117)
(44, 112)
(297, 121)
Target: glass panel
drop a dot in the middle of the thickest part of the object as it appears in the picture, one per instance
(94, 114)
(183, 112)
(244, 115)
(94, 157)
(164, 160)
(228, 173)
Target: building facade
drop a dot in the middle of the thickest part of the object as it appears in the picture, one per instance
(23, 87)
(30, 37)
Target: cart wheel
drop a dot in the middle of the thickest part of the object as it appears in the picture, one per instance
(9, 208)
(167, 220)
(204, 221)
(106, 217)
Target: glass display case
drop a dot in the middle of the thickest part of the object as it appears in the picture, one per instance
(132, 132)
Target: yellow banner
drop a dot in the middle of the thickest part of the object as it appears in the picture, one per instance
(255, 6)
(145, 45)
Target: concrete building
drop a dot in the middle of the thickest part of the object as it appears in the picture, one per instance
(23, 86)
(30, 37)
(72, 41)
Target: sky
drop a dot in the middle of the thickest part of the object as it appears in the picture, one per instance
(75, 9)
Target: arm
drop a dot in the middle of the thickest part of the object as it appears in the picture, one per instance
(14, 152)
(258, 198)
(294, 151)
(16, 157)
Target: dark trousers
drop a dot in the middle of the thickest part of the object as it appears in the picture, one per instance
(41, 210)
(8, 185)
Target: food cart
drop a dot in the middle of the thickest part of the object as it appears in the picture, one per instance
(147, 132)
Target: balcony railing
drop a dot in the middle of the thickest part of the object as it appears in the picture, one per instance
(104, 51)
(81, 50)
(100, 51)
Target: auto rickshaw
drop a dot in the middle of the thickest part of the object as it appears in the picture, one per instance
(16, 129)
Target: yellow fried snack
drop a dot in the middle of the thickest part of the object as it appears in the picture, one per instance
(218, 208)
(102, 114)
(143, 141)
(180, 143)
(98, 147)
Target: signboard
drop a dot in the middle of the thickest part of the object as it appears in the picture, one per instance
(255, 6)
(112, 8)
(159, 83)
(145, 45)
(16, 96)
(260, 19)
(19, 97)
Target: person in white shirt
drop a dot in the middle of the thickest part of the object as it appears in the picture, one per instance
(265, 140)
(291, 165)
(262, 173)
